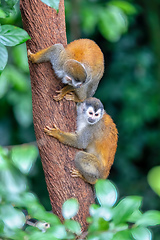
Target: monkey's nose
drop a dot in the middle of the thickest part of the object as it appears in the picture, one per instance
(91, 120)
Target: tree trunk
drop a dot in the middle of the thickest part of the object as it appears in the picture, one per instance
(46, 27)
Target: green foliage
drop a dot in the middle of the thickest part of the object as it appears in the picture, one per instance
(112, 23)
(110, 220)
(24, 157)
(70, 208)
(111, 18)
(52, 3)
(4, 56)
(103, 189)
(7, 7)
(154, 179)
(10, 36)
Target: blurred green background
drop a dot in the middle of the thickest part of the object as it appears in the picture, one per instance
(129, 36)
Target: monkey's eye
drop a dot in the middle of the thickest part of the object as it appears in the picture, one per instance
(96, 114)
(90, 113)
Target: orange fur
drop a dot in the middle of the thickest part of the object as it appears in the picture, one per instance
(87, 52)
(107, 145)
(80, 64)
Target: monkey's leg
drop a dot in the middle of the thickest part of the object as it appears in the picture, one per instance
(46, 54)
(88, 166)
(63, 92)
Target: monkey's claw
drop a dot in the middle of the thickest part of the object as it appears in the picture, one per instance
(69, 96)
(58, 97)
(54, 125)
(75, 173)
(48, 130)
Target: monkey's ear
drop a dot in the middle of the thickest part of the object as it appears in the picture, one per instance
(76, 70)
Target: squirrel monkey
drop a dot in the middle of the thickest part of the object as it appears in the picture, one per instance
(80, 65)
(97, 135)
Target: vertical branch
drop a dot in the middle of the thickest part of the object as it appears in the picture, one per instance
(46, 27)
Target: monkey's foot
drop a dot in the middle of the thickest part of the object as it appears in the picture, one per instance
(59, 96)
(75, 173)
(49, 131)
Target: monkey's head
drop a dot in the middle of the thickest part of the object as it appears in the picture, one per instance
(92, 110)
(75, 73)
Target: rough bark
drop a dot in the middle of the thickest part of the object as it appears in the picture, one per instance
(46, 27)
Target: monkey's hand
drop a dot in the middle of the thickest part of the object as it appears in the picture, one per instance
(72, 97)
(64, 137)
(54, 132)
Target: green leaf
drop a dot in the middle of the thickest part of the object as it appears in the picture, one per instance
(127, 7)
(11, 35)
(112, 23)
(98, 225)
(3, 56)
(12, 181)
(28, 199)
(58, 231)
(40, 236)
(154, 179)
(135, 216)
(149, 218)
(4, 160)
(140, 233)
(24, 156)
(125, 208)
(106, 192)
(70, 208)
(2, 14)
(52, 3)
(100, 236)
(123, 235)
(103, 212)
(19, 235)
(73, 226)
(12, 217)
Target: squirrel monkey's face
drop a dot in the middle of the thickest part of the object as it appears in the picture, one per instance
(92, 115)
(75, 73)
(76, 83)
(92, 110)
